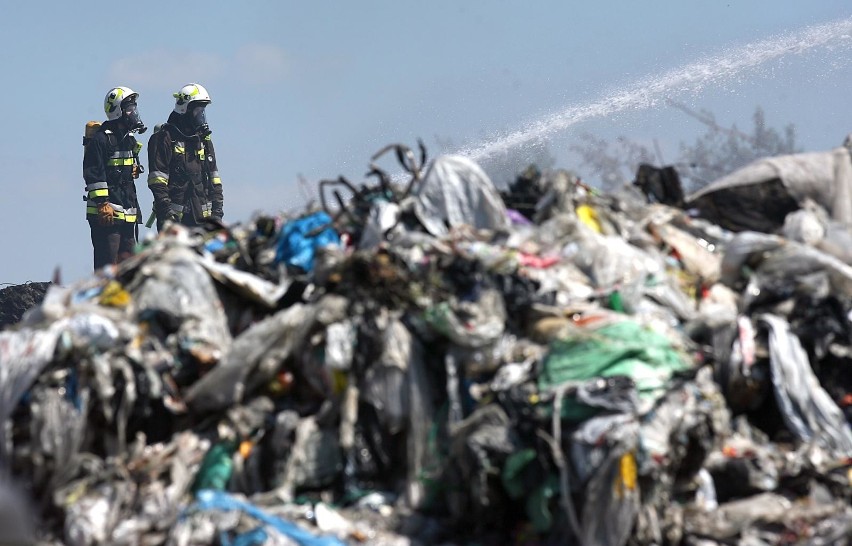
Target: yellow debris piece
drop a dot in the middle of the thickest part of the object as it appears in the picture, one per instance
(114, 295)
(245, 448)
(589, 216)
(627, 475)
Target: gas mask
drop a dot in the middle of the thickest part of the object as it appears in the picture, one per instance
(198, 120)
(130, 117)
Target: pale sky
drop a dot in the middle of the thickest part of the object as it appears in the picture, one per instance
(315, 88)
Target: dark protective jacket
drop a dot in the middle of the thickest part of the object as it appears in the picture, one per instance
(183, 175)
(108, 172)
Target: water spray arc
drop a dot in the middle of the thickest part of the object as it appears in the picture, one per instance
(690, 78)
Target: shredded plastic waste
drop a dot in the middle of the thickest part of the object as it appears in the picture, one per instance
(425, 359)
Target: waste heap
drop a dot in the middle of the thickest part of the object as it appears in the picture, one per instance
(418, 362)
(17, 299)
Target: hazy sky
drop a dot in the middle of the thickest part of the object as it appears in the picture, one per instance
(314, 88)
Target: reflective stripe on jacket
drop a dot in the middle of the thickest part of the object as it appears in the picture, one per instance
(183, 175)
(108, 173)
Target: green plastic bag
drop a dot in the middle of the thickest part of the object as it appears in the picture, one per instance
(623, 348)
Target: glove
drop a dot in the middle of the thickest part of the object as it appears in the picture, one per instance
(105, 214)
(170, 217)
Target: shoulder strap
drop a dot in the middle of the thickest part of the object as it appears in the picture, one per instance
(113, 140)
(168, 128)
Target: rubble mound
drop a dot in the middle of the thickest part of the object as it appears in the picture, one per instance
(17, 299)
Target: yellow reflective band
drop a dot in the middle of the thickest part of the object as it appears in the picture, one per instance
(179, 149)
(158, 180)
(117, 215)
(205, 213)
(138, 147)
(121, 162)
(217, 180)
(200, 154)
(98, 193)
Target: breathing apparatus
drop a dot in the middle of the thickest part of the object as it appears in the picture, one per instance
(198, 119)
(130, 118)
(120, 103)
(190, 102)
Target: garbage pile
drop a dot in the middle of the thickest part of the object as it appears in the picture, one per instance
(416, 361)
(17, 299)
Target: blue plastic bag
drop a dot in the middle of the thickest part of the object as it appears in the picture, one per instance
(300, 238)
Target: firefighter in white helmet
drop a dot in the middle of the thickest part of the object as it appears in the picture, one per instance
(182, 171)
(110, 167)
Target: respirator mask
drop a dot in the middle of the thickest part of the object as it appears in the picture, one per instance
(130, 117)
(198, 120)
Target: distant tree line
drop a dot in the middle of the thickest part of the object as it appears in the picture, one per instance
(719, 151)
(612, 164)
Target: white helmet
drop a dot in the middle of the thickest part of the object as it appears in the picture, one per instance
(190, 92)
(114, 98)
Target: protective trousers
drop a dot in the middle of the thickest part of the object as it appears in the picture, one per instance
(112, 244)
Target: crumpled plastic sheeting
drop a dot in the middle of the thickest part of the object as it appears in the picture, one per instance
(455, 192)
(824, 177)
(246, 284)
(697, 254)
(612, 499)
(92, 518)
(256, 353)
(176, 281)
(313, 461)
(622, 348)
(780, 262)
(23, 356)
(770, 518)
(59, 426)
(108, 506)
(385, 383)
(470, 324)
(611, 262)
(383, 217)
(807, 409)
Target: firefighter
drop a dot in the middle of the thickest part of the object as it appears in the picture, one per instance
(183, 175)
(110, 167)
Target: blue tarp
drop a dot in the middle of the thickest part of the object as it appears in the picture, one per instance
(209, 499)
(300, 238)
